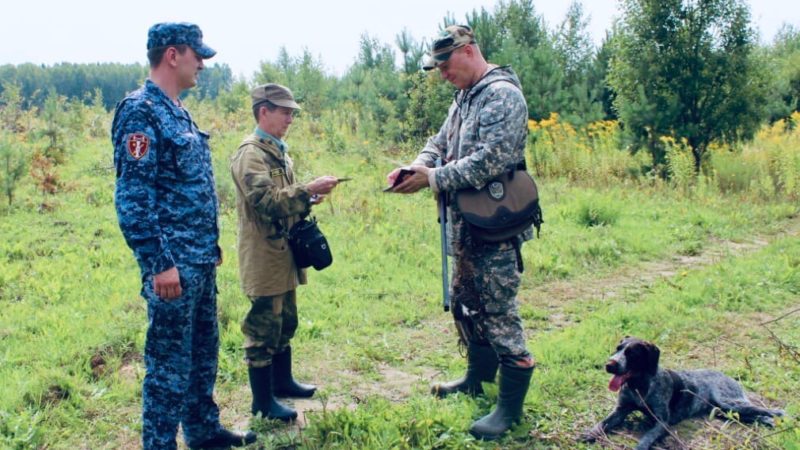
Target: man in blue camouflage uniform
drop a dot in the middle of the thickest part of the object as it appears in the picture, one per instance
(483, 136)
(167, 208)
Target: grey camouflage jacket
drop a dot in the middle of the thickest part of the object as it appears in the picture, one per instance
(483, 136)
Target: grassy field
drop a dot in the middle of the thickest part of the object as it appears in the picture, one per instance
(711, 275)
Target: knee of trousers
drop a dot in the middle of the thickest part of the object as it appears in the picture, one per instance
(290, 323)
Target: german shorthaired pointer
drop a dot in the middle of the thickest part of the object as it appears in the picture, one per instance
(669, 396)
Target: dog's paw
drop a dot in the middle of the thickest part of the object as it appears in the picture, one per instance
(767, 421)
(590, 436)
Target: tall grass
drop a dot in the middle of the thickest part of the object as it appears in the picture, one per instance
(591, 156)
(766, 168)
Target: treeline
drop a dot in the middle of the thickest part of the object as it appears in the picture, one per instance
(82, 82)
(690, 71)
(560, 70)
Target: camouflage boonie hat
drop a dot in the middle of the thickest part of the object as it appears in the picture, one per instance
(172, 33)
(275, 94)
(451, 38)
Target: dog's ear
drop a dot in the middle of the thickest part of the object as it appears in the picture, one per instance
(642, 356)
(653, 353)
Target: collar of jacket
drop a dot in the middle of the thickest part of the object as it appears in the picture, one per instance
(500, 73)
(261, 134)
(155, 92)
(266, 145)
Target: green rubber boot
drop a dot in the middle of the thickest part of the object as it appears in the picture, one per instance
(481, 366)
(285, 384)
(514, 382)
(264, 401)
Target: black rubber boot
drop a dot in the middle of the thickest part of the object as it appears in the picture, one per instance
(285, 384)
(481, 366)
(514, 382)
(227, 439)
(264, 402)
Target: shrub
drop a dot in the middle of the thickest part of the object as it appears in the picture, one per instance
(12, 165)
(596, 211)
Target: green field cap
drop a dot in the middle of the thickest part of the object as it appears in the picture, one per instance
(275, 94)
(451, 38)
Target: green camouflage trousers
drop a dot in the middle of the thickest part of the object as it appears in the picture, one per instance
(485, 283)
(268, 327)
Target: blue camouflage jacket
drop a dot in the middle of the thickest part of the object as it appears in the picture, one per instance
(165, 194)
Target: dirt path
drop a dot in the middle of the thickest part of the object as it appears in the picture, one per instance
(558, 295)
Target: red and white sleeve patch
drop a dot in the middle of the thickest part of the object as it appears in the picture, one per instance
(138, 145)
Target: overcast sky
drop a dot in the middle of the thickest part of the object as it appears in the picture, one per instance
(245, 32)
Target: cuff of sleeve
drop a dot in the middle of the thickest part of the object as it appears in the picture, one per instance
(432, 180)
(161, 263)
(308, 203)
(418, 162)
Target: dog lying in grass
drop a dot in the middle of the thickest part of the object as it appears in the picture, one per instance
(669, 396)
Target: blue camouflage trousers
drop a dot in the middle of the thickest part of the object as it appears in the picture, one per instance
(181, 361)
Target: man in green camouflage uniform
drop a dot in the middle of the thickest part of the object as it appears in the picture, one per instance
(268, 202)
(483, 136)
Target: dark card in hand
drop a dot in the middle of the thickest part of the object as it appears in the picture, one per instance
(405, 172)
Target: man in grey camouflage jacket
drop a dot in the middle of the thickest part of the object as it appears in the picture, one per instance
(483, 136)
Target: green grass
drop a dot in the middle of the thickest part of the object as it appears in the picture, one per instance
(372, 332)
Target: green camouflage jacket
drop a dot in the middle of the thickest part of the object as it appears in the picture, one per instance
(268, 200)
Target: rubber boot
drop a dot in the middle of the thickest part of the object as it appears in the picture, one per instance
(264, 402)
(285, 384)
(481, 366)
(227, 439)
(514, 382)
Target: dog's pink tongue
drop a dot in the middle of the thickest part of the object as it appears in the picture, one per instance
(616, 382)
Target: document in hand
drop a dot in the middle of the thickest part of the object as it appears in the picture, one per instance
(405, 172)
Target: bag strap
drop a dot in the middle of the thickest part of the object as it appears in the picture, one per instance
(518, 249)
(520, 166)
(280, 231)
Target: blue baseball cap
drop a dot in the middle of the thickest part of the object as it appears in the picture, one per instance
(179, 33)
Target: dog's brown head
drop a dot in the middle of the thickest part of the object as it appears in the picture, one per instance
(634, 358)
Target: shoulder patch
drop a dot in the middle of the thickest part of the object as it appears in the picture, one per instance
(276, 173)
(138, 145)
